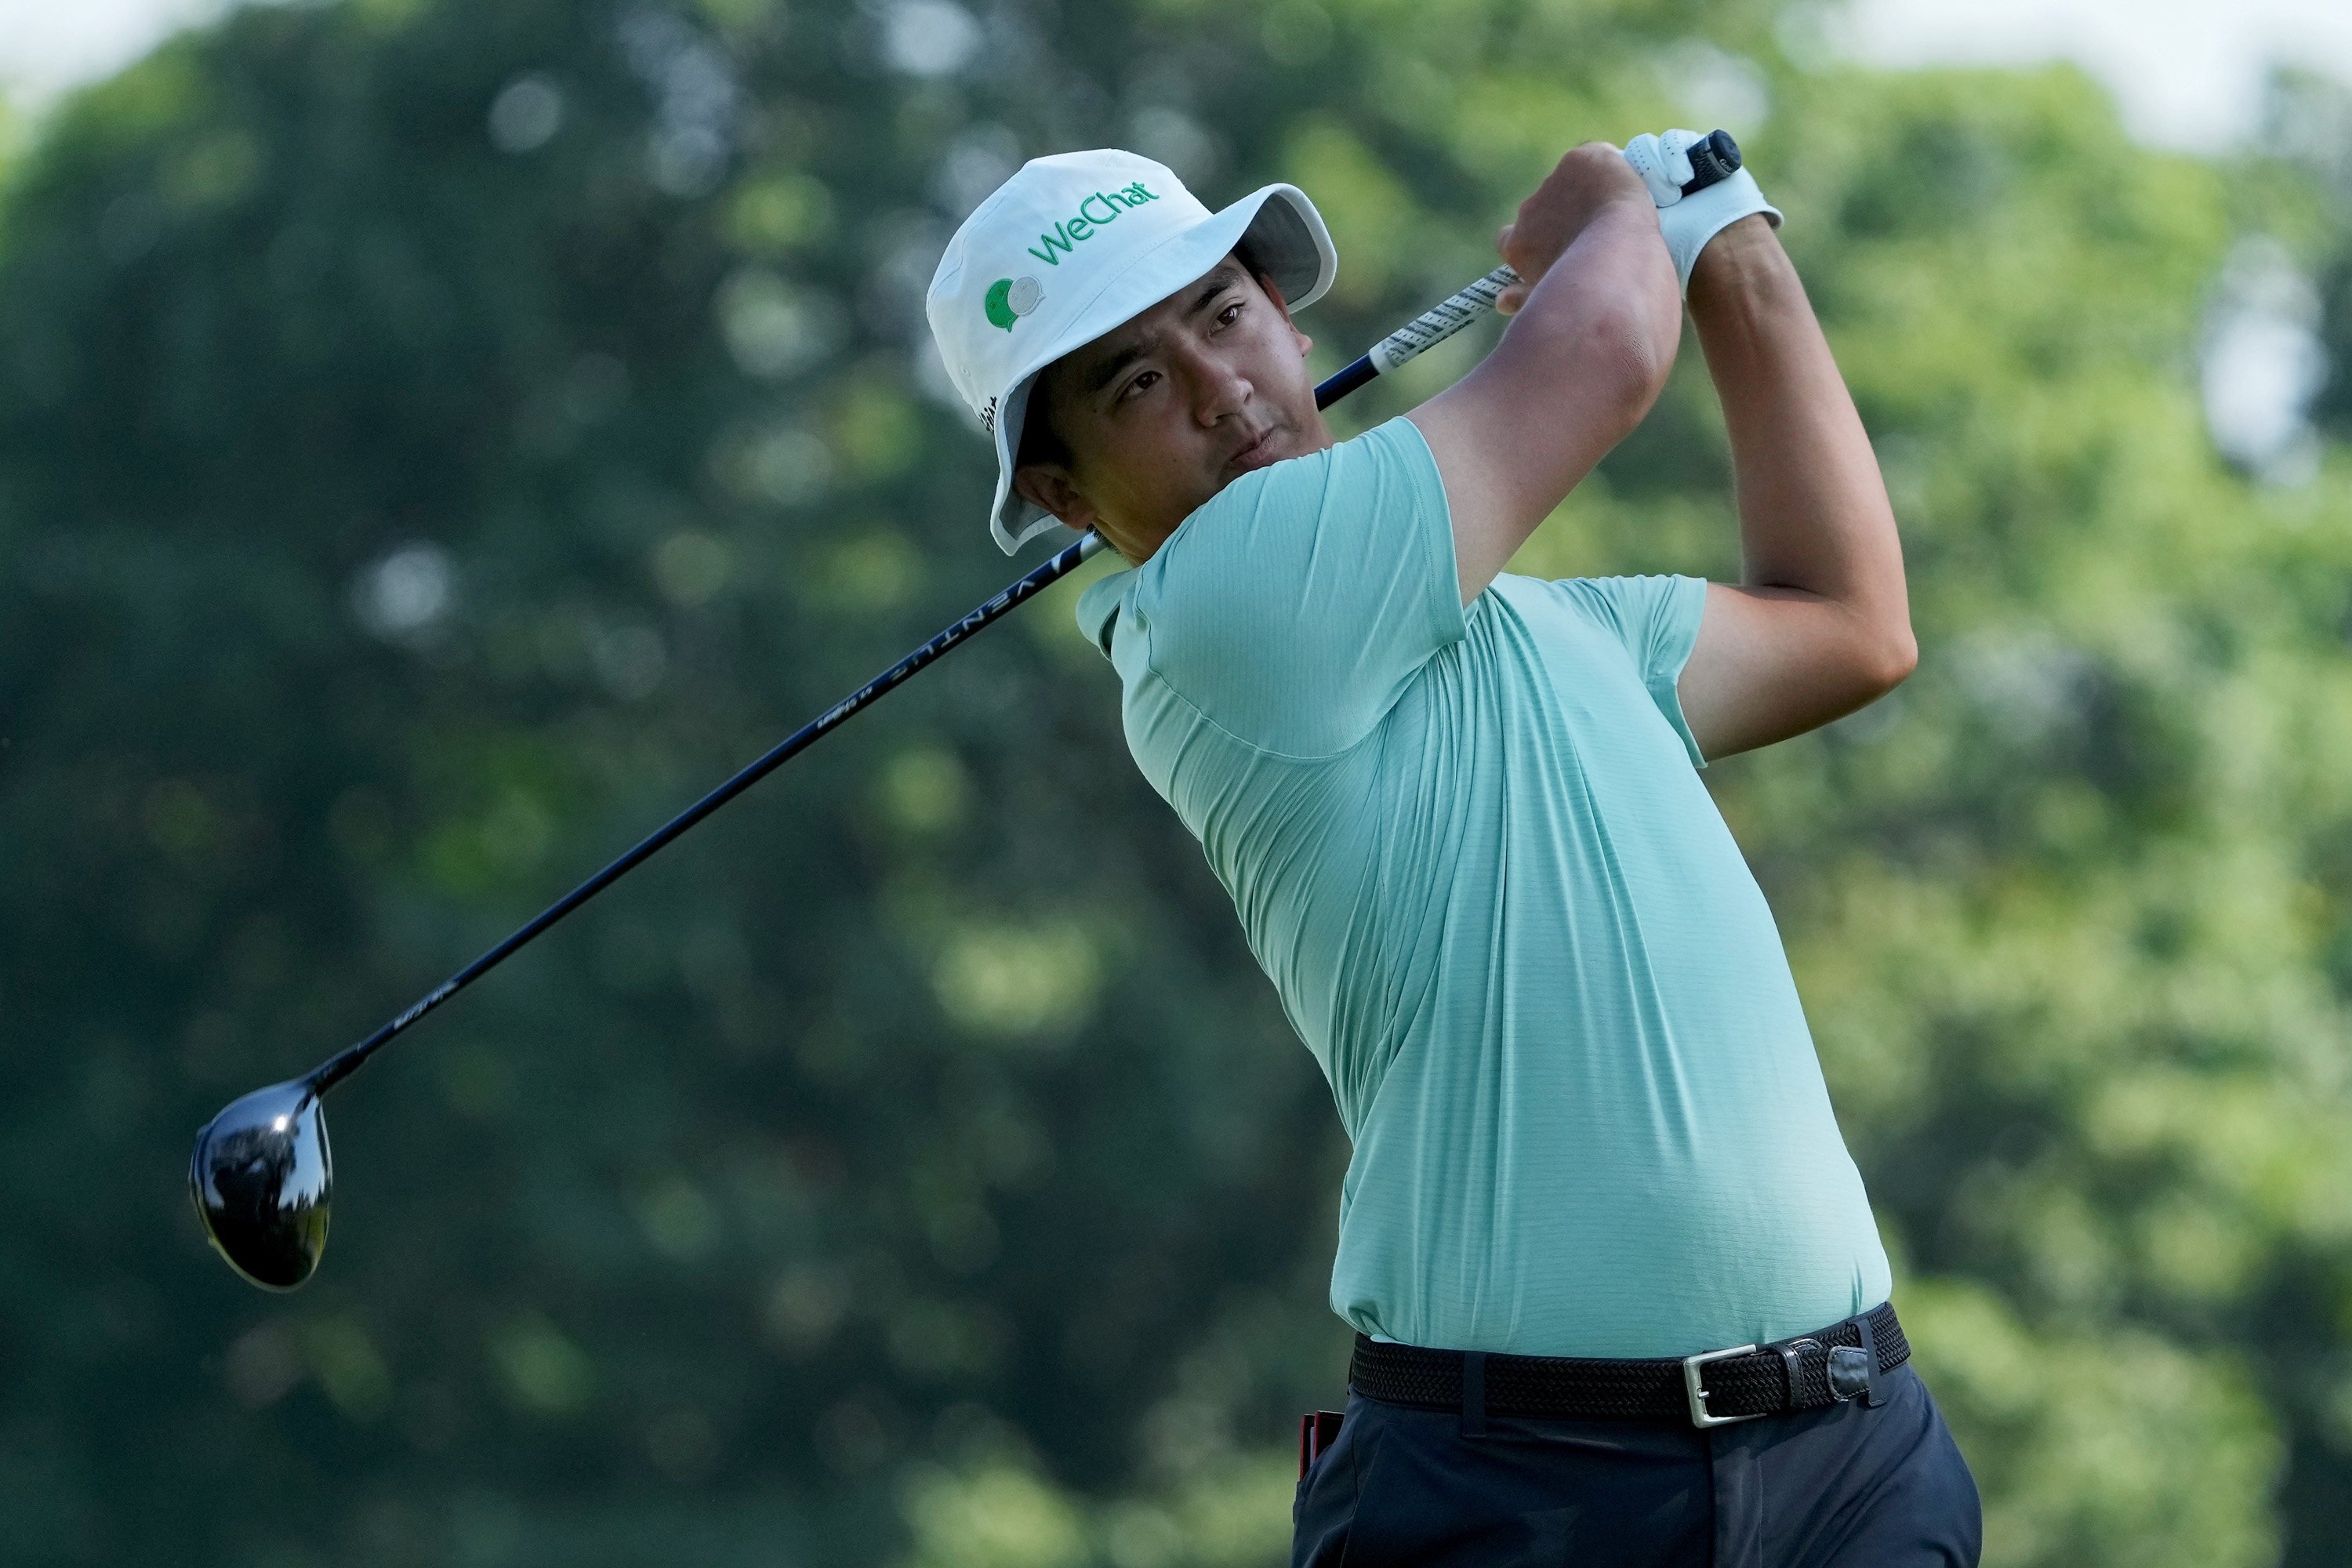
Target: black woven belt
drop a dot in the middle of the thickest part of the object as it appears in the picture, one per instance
(1707, 1389)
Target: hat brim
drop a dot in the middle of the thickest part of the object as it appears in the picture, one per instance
(1287, 239)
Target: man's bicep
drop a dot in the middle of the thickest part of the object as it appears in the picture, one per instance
(1769, 663)
(1477, 496)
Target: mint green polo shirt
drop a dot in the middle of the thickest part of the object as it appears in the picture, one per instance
(1472, 850)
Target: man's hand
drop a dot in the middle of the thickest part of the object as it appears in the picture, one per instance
(1583, 183)
(1689, 221)
(1583, 358)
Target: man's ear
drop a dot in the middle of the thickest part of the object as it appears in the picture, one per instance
(1047, 485)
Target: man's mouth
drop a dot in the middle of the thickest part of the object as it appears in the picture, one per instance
(1257, 454)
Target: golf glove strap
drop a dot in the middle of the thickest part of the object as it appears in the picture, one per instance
(1689, 222)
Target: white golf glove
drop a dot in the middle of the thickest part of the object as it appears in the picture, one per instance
(1689, 222)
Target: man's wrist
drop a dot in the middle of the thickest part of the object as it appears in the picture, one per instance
(1741, 252)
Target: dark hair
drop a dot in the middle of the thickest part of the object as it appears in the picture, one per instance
(1040, 442)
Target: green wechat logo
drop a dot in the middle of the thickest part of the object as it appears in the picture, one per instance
(1010, 298)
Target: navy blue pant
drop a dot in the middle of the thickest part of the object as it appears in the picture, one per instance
(1849, 1486)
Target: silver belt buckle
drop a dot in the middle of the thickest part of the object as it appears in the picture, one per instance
(1698, 1389)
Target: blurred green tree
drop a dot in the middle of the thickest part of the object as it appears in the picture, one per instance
(436, 440)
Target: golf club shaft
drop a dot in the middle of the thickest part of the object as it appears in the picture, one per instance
(340, 1065)
(1425, 332)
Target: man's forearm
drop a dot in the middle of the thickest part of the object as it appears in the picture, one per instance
(1577, 369)
(1814, 514)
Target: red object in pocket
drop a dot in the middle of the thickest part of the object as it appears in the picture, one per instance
(1317, 1432)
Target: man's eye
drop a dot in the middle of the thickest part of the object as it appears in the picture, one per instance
(1137, 385)
(1226, 317)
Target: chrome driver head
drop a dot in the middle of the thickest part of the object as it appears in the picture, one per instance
(262, 1180)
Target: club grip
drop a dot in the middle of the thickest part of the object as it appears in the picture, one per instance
(1715, 157)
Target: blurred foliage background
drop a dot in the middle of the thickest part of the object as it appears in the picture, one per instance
(437, 439)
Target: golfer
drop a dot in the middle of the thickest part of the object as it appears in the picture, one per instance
(1618, 1294)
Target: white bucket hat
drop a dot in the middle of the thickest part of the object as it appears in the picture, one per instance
(1073, 245)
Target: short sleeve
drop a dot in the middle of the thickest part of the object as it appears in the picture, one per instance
(1656, 619)
(1292, 609)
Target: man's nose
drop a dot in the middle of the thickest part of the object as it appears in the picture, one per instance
(1218, 390)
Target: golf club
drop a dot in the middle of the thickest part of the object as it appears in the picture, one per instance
(261, 1173)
